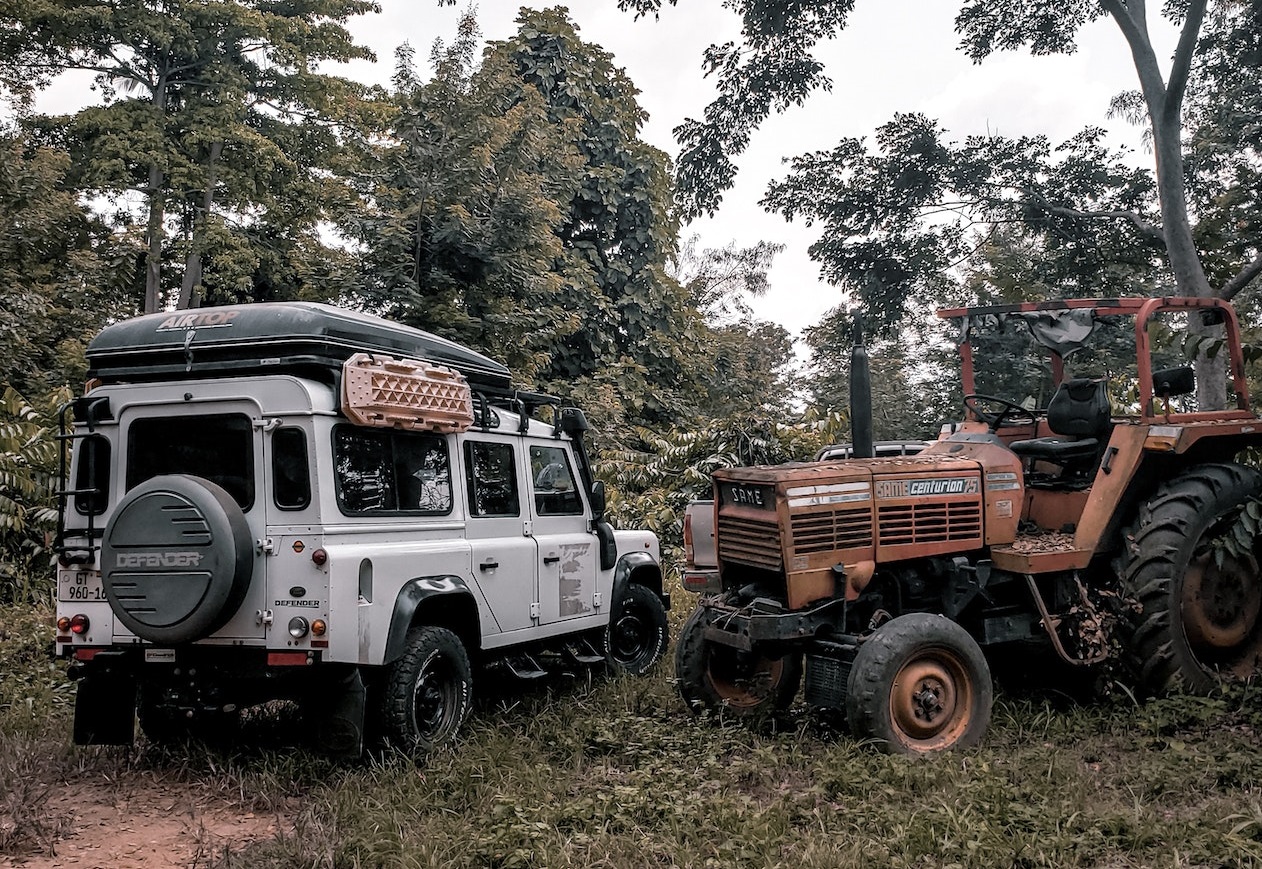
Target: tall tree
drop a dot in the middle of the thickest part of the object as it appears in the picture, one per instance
(464, 205)
(213, 112)
(750, 365)
(62, 273)
(902, 215)
(772, 68)
(620, 228)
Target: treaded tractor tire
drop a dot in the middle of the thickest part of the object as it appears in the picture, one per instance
(1196, 620)
(744, 684)
(919, 684)
(428, 691)
(636, 636)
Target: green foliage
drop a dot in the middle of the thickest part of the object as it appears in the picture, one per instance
(749, 362)
(215, 116)
(901, 216)
(652, 484)
(915, 377)
(28, 480)
(770, 70)
(518, 211)
(619, 228)
(460, 237)
(58, 270)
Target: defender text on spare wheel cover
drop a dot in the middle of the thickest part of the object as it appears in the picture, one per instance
(176, 559)
(294, 501)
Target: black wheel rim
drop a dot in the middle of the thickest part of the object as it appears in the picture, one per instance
(630, 636)
(434, 698)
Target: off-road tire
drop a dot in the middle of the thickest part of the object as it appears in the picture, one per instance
(427, 692)
(1165, 550)
(746, 685)
(918, 685)
(637, 634)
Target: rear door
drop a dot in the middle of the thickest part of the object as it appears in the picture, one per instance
(223, 446)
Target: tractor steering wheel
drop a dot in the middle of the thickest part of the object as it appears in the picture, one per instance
(1007, 409)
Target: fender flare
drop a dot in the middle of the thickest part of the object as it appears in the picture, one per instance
(412, 595)
(631, 563)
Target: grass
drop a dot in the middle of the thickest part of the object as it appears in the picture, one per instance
(617, 773)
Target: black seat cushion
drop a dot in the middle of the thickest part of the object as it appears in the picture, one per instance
(1080, 410)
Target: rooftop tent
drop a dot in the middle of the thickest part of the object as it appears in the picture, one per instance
(270, 338)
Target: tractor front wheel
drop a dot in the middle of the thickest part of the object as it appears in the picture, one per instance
(749, 685)
(919, 684)
(1198, 610)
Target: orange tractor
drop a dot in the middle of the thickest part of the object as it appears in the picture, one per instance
(1090, 522)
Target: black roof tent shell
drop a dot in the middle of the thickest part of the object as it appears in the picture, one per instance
(305, 338)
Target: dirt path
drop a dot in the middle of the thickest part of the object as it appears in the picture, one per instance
(143, 823)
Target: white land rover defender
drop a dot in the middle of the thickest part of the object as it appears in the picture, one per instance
(296, 501)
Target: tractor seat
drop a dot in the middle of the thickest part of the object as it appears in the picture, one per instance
(1079, 411)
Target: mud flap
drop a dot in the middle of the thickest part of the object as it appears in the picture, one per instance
(340, 727)
(105, 711)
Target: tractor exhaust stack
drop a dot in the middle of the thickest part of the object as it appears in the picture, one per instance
(860, 394)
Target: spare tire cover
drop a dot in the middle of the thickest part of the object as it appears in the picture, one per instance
(176, 559)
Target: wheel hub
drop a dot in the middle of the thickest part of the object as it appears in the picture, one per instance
(629, 637)
(1221, 603)
(930, 700)
(430, 699)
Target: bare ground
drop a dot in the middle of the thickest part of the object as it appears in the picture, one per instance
(140, 822)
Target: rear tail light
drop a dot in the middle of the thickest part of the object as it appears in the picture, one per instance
(319, 556)
(702, 581)
(298, 627)
(79, 624)
(63, 625)
(688, 537)
(318, 627)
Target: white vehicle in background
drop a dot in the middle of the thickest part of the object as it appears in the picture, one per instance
(296, 501)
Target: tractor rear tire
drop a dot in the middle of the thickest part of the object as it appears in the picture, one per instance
(918, 685)
(1197, 621)
(746, 685)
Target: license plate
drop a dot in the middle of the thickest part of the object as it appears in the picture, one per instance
(80, 586)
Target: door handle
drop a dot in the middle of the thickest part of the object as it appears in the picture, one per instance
(488, 565)
(551, 559)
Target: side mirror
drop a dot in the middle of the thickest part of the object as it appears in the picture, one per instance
(598, 499)
(1173, 381)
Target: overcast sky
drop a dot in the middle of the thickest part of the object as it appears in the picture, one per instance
(895, 56)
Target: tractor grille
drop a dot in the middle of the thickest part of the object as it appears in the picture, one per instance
(929, 523)
(748, 541)
(847, 528)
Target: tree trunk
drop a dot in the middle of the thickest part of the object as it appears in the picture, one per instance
(157, 202)
(153, 240)
(1164, 101)
(191, 285)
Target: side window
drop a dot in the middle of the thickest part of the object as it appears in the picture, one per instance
(492, 478)
(216, 447)
(93, 473)
(381, 471)
(555, 491)
(291, 472)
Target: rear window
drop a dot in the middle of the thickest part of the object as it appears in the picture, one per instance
(93, 473)
(380, 471)
(217, 447)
